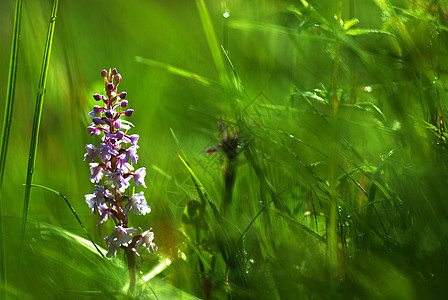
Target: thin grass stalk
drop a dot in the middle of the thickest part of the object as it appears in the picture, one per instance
(36, 120)
(332, 237)
(10, 89)
(212, 42)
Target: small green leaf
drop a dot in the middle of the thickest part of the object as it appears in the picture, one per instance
(366, 31)
(350, 23)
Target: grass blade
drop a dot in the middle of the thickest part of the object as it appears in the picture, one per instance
(36, 121)
(12, 74)
(38, 113)
(177, 71)
(227, 246)
(73, 212)
(212, 42)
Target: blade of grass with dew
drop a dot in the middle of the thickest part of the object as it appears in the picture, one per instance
(212, 42)
(10, 89)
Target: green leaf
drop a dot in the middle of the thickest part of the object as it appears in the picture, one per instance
(367, 31)
(349, 23)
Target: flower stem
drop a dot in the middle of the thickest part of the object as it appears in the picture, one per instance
(130, 258)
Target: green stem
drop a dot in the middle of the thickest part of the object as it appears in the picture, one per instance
(12, 74)
(130, 257)
(332, 237)
(229, 182)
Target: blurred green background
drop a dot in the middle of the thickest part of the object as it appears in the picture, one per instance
(382, 160)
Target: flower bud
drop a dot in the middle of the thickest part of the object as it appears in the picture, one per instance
(98, 121)
(103, 73)
(109, 114)
(96, 110)
(124, 103)
(114, 71)
(117, 78)
(122, 95)
(97, 97)
(119, 135)
(109, 87)
(128, 112)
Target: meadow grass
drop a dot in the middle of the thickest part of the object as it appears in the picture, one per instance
(9, 105)
(325, 119)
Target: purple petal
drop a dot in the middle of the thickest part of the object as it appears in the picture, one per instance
(91, 153)
(134, 139)
(96, 171)
(139, 177)
(93, 130)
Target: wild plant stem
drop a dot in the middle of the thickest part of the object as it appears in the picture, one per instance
(12, 74)
(229, 182)
(130, 258)
(332, 237)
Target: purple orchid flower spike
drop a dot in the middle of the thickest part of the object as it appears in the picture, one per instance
(111, 167)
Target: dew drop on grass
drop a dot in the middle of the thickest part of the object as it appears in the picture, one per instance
(226, 14)
(368, 89)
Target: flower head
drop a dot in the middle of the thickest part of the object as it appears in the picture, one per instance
(111, 168)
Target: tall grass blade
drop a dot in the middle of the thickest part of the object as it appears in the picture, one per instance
(12, 74)
(37, 117)
(38, 113)
(212, 42)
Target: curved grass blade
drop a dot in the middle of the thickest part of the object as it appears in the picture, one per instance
(10, 89)
(80, 240)
(73, 212)
(62, 238)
